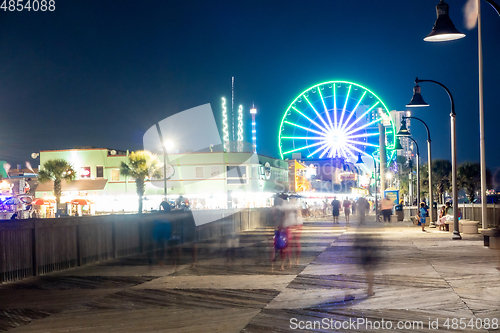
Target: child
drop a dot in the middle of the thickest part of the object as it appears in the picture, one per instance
(442, 219)
(423, 215)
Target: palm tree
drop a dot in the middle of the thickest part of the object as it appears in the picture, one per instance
(441, 176)
(56, 170)
(469, 179)
(424, 181)
(141, 164)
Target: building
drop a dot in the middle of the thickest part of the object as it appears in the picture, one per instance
(406, 143)
(207, 179)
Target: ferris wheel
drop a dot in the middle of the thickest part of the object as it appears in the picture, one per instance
(335, 119)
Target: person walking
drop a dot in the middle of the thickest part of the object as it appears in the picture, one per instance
(335, 210)
(423, 215)
(347, 210)
(386, 208)
(363, 206)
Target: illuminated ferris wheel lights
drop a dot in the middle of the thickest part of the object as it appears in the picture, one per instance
(307, 129)
(345, 105)
(354, 110)
(312, 121)
(360, 118)
(344, 133)
(302, 148)
(319, 116)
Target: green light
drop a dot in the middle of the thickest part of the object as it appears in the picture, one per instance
(335, 108)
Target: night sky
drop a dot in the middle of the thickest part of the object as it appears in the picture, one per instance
(100, 73)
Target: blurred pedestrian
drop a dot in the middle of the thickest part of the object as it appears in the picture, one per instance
(335, 210)
(296, 223)
(368, 247)
(363, 206)
(347, 210)
(386, 208)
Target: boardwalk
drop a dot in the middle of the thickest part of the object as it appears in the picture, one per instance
(420, 276)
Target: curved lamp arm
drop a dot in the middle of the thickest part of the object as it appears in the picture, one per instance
(416, 144)
(417, 80)
(495, 6)
(426, 127)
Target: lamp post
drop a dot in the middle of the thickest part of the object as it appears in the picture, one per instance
(404, 132)
(418, 101)
(441, 33)
(418, 170)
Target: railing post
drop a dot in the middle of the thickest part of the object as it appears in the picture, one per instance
(141, 245)
(78, 245)
(34, 252)
(113, 237)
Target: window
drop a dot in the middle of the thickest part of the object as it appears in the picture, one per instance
(85, 173)
(99, 171)
(198, 172)
(115, 175)
(215, 171)
(236, 175)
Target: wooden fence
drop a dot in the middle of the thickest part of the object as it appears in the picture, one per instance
(39, 246)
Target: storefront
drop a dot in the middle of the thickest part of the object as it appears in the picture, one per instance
(208, 180)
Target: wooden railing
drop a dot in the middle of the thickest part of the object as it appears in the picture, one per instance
(39, 246)
(469, 211)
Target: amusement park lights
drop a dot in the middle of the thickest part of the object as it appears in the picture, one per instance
(324, 130)
(253, 112)
(240, 128)
(225, 127)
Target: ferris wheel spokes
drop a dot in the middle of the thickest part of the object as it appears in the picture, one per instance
(305, 147)
(326, 109)
(346, 128)
(354, 110)
(312, 121)
(335, 105)
(319, 116)
(307, 129)
(324, 146)
(345, 105)
(364, 126)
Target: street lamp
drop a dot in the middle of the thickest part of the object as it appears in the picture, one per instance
(443, 29)
(404, 132)
(418, 171)
(442, 35)
(415, 103)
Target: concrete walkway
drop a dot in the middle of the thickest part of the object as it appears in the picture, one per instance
(422, 279)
